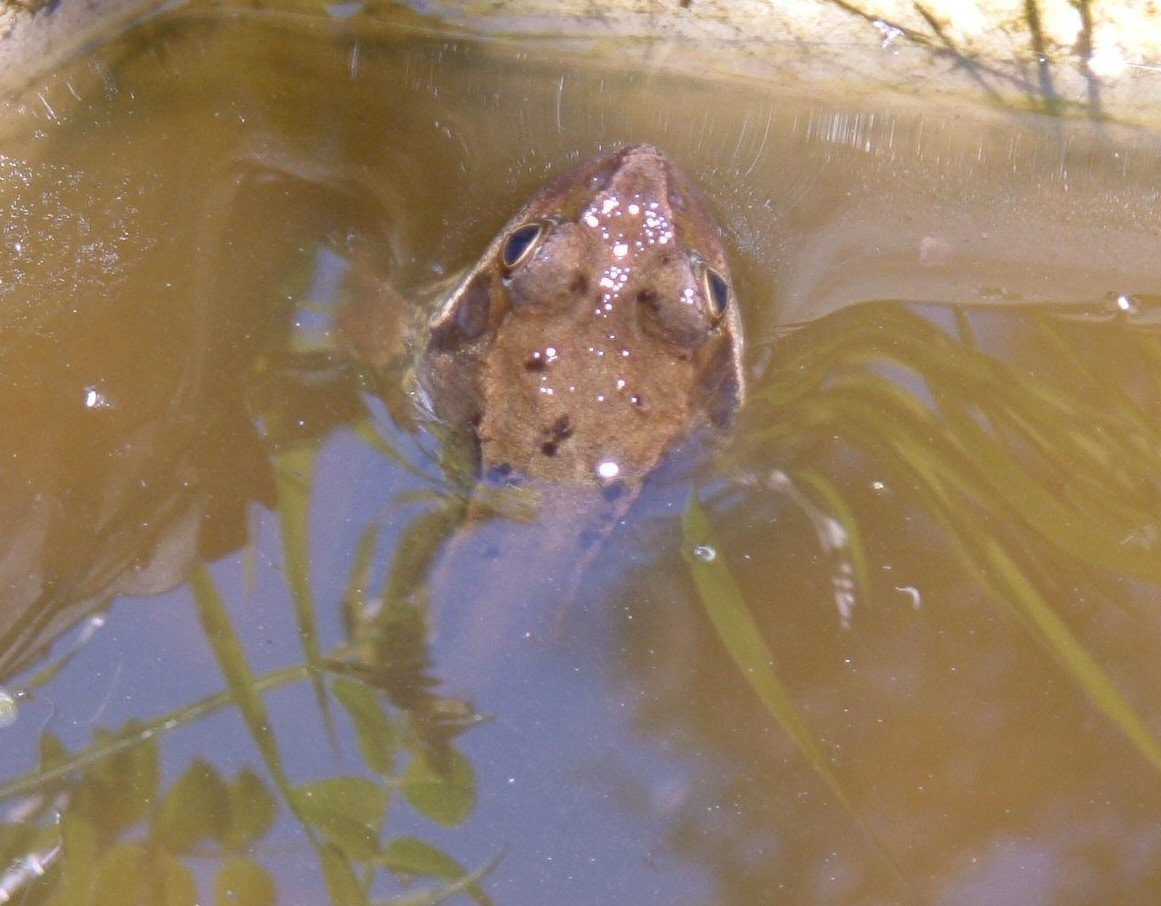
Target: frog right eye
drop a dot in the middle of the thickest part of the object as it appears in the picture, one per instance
(521, 243)
(717, 292)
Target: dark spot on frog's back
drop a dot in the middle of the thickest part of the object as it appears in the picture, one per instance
(556, 434)
(613, 491)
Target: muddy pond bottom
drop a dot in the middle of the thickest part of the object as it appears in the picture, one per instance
(895, 640)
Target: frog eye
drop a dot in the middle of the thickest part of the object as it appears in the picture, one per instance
(716, 290)
(520, 244)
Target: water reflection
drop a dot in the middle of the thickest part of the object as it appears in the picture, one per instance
(995, 673)
(116, 478)
(997, 477)
(941, 524)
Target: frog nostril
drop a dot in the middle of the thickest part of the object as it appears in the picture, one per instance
(579, 285)
(540, 359)
(562, 428)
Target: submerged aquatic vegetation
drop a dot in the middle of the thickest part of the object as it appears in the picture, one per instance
(1039, 483)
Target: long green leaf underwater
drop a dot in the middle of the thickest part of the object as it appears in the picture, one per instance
(726, 607)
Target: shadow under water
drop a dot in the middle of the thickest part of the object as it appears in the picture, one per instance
(896, 641)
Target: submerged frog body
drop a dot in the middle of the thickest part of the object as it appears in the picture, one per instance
(598, 330)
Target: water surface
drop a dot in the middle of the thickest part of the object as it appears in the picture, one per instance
(939, 506)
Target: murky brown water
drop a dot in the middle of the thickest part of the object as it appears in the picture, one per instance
(180, 214)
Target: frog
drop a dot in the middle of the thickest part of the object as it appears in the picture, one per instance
(596, 341)
(598, 331)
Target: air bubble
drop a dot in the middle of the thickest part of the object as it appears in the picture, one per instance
(95, 398)
(1127, 305)
(705, 553)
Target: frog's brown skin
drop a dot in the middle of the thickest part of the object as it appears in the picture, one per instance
(597, 331)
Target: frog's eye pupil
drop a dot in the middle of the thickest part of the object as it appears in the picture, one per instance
(520, 244)
(717, 291)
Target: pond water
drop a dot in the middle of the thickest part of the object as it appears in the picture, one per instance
(896, 642)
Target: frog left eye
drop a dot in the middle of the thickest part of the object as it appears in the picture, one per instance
(520, 244)
(717, 292)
